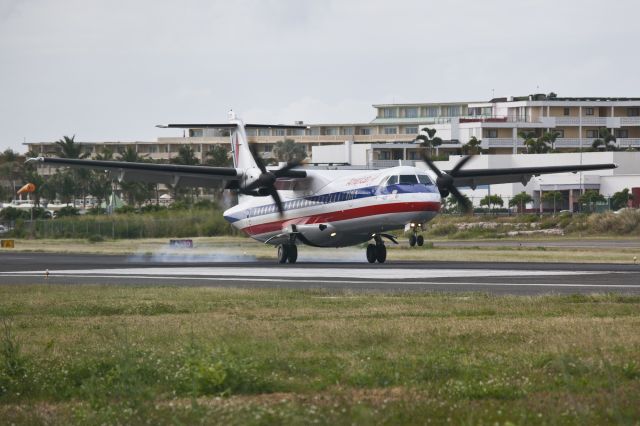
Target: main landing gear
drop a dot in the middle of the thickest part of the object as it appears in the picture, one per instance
(287, 253)
(377, 252)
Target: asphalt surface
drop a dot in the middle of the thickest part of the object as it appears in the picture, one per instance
(496, 278)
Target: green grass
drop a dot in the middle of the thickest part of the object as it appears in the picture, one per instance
(132, 355)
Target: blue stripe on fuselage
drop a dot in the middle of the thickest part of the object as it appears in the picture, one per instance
(334, 197)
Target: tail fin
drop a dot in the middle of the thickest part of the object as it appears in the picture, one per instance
(242, 158)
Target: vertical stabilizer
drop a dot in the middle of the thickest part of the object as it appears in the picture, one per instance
(242, 157)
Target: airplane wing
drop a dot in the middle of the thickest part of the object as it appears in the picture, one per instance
(173, 174)
(475, 177)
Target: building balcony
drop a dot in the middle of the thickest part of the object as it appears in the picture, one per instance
(560, 143)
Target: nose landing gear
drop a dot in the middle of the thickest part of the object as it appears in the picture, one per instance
(416, 239)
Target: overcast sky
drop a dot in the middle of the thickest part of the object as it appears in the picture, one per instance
(111, 70)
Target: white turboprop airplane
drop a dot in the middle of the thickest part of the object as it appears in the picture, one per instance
(289, 206)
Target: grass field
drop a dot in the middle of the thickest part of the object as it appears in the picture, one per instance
(133, 355)
(222, 248)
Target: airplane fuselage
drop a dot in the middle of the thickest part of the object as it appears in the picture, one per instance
(345, 211)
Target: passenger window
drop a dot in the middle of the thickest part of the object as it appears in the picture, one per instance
(408, 179)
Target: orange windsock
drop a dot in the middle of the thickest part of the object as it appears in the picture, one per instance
(27, 188)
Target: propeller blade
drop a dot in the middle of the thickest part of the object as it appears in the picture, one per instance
(257, 159)
(431, 164)
(466, 207)
(460, 164)
(276, 198)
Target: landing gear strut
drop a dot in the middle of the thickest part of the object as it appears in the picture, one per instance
(377, 252)
(287, 253)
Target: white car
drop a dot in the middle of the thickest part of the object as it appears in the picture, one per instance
(3, 229)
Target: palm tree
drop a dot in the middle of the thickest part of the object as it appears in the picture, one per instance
(552, 197)
(135, 192)
(606, 141)
(550, 137)
(186, 156)
(68, 148)
(429, 140)
(12, 166)
(520, 200)
(288, 150)
(472, 147)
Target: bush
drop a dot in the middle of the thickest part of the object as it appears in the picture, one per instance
(96, 238)
(12, 213)
(67, 211)
(126, 209)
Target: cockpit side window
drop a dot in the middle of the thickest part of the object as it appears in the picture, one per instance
(424, 179)
(393, 180)
(408, 180)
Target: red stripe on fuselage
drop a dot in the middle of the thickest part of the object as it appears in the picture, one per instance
(346, 214)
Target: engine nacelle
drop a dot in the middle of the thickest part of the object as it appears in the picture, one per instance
(318, 234)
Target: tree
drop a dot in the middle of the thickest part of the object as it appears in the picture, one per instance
(289, 151)
(550, 138)
(11, 166)
(590, 198)
(135, 192)
(472, 147)
(492, 200)
(100, 185)
(537, 145)
(453, 205)
(605, 142)
(621, 199)
(429, 139)
(520, 200)
(553, 198)
(217, 156)
(68, 148)
(186, 156)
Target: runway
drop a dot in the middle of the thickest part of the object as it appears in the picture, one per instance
(496, 278)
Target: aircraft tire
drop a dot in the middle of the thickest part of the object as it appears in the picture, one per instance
(420, 240)
(292, 256)
(412, 240)
(283, 253)
(371, 253)
(381, 253)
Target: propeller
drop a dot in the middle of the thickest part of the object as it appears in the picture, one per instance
(265, 184)
(445, 181)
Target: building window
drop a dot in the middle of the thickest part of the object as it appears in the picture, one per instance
(559, 133)
(411, 130)
(267, 148)
(330, 131)
(278, 132)
(365, 131)
(263, 132)
(621, 133)
(432, 111)
(411, 112)
(592, 133)
(384, 155)
(346, 130)
(195, 133)
(633, 112)
(588, 111)
(389, 113)
(390, 130)
(452, 111)
(567, 111)
(492, 133)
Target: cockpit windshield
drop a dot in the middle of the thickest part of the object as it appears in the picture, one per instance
(408, 180)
